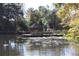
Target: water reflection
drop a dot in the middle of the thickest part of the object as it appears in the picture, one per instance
(10, 47)
(6, 46)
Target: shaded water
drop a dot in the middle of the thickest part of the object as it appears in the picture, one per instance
(10, 47)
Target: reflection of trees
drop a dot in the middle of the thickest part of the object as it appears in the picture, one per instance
(21, 40)
(6, 48)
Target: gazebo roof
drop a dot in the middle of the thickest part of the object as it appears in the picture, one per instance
(35, 26)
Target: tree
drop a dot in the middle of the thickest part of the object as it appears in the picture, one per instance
(70, 17)
(8, 16)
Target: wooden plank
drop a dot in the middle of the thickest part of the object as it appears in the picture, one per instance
(40, 35)
(45, 38)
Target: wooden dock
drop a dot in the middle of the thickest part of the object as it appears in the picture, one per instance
(40, 35)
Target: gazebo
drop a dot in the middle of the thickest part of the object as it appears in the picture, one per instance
(36, 27)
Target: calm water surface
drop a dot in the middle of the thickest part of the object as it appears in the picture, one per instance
(10, 47)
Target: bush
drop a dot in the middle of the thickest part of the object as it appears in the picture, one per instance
(77, 38)
(69, 36)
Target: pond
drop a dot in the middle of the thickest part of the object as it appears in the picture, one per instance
(10, 47)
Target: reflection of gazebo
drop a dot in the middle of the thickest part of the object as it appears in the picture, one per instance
(36, 27)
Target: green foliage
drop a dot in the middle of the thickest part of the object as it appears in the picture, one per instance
(22, 24)
(77, 38)
(69, 15)
(36, 15)
(69, 36)
(57, 5)
(45, 15)
(8, 16)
